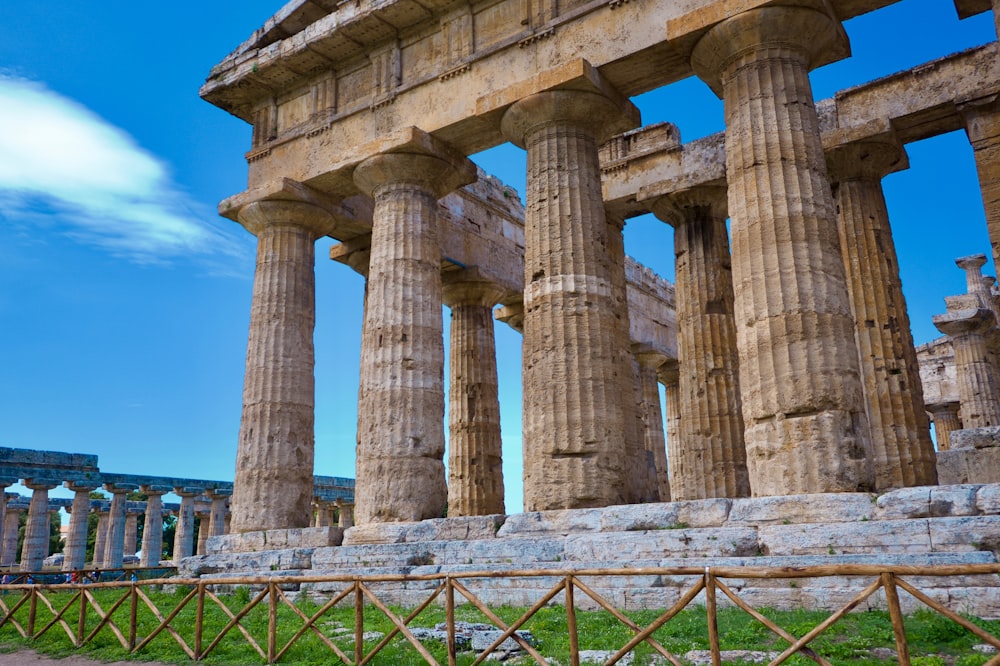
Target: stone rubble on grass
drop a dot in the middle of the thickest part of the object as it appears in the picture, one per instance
(602, 656)
(704, 657)
(985, 649)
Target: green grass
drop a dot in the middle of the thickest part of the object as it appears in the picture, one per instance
(933, 639)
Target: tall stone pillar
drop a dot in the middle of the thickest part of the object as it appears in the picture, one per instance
(713, 457)
(945, 421)
(654, 441)
(400, 458)
(131, 533)
(217, 512)
(114, 546)
(3, 506)
(184, 532)
(204, 527)
(573, 420)
(903, 454)
(75, 549)
(36, 534)
(475, 470)
(669, 375)
(101, 537)
(12, 524)
(345, 514)
(803, 409)
(152, 531)
(274, 459)
(640, 484)
(982, 125)
(977, 375)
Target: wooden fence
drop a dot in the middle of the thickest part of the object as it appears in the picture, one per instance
(35, 610)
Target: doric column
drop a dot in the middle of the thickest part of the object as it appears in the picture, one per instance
(713, 461)
(4, 496)
(217, 513)
(12, 524)
(114, 546)
(75, 550)
(902, 451)
(274, 459)
(975, 282)
(131, 533)
(345, 514)
(668, 374)
(400, 458)
(946, 419)
(982, 125)
(101, 537)
(152, 531)
(573, 421)
(648, 363)
(36, 533)
(977, 376)
(204, 527)
(640, 484)
(475, 471)
(184, 532)
(322, 512)
(803, 410)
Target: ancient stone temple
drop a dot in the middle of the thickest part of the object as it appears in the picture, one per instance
(784, 372)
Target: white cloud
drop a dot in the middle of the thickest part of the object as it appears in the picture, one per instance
(62, 164)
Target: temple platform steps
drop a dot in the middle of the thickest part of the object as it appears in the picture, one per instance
(946, 526)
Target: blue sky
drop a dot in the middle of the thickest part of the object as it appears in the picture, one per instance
(124, 299)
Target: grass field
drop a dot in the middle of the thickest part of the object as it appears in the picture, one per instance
(933, 640)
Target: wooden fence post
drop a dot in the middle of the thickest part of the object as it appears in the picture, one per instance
(713, 620)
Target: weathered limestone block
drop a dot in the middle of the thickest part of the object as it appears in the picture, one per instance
(905, 536)
(475, 461)
(696, 543)
(674, 515)
(400, 458)
(803, 408)
(988, 498)
(711, 457)
(274, 458)
(817, 508)
(903, 454)
(275, 562)
(987, 437)
(975, 460)
(306, 537)
(928, 501)
(574, 424)
(467, 528)
(963, 534)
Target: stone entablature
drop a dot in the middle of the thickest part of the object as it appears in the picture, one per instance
(937, 371)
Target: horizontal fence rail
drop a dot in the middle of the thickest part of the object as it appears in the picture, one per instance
(34, 610)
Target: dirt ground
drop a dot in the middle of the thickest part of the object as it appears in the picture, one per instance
(32, 658)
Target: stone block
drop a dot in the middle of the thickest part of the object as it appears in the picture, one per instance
(376, 533)
(971, 465)
(988, 498)
(716, 542)
(899, 536)
(927, 501)
(975, 438)
(657, 516)
(568, 521)
(965, 534)
(466, 528)
(951, 467)
(818, 508)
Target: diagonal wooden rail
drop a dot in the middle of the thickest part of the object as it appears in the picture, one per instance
(32, 611)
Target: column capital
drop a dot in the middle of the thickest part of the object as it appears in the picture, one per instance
(440, 172)
(972, 264)
(865, 160)
(470, 287)
(669, 372)
(961, 322)
(648, 356)
(815, 36)
(512, 315)
(80, 486)
(40, 484)
(154, 490)
(259, 215)
(597, 113)
(685, 206)
(980, 116)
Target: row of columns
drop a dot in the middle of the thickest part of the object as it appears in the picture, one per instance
(117, 528)
(797, 370)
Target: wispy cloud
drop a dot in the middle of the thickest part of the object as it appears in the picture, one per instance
(63, 166)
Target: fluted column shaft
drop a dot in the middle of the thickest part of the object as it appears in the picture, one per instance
(203, 529)
(345, 514)
(945, 420)
(400, 457)
(131, 534)
(75, 549)
(36, 533)
(573, 419)
(654, 441)
(977, 376)
(184, 532)
(274, 458)
(12, 523)
(669, 375)
(982, 125)
(152, 531)
(713, 457)
(475, 461)
(902, 451)
(101, 538)
(114, 544)
(799, 380)
(217, 515)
